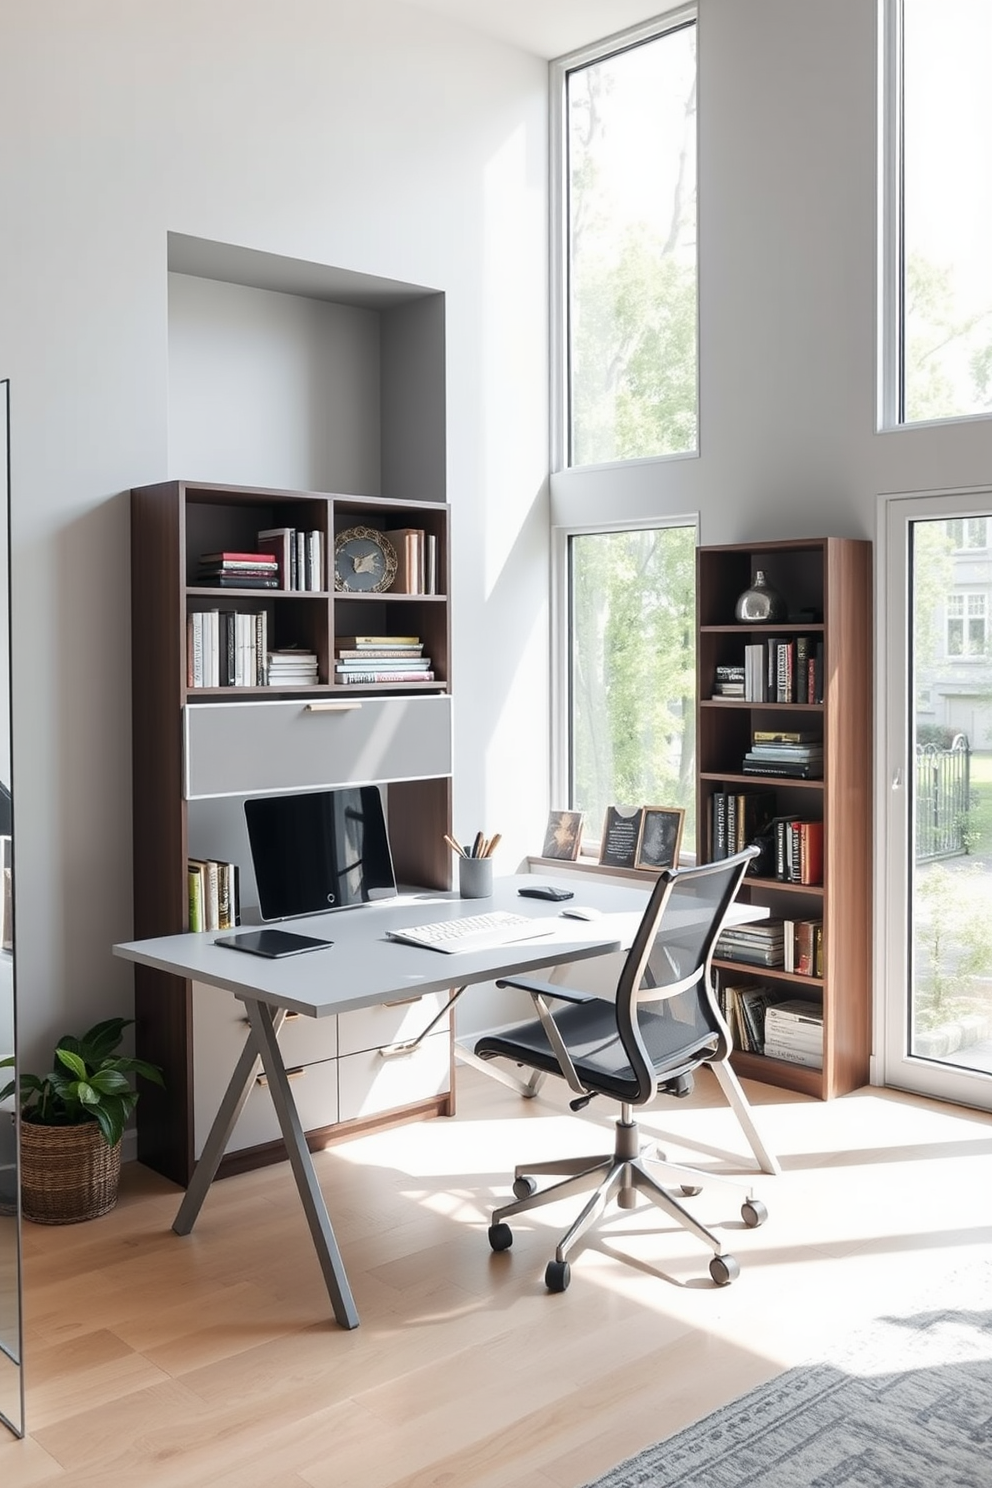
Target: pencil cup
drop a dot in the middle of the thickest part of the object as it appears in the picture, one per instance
(475, 877)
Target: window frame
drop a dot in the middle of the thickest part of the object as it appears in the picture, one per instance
(559, 68)
(891, 371)
(561, 639)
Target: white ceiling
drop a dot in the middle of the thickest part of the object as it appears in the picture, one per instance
(549, 28)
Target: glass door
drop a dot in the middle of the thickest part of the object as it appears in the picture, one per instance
(936, 955)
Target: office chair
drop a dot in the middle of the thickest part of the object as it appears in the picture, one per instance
(664, 1025)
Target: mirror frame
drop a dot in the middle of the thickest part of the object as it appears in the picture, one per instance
(12, 1337)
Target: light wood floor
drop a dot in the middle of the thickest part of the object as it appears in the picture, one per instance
(161, 1361)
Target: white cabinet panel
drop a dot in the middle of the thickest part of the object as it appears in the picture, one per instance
(244, 748)
(391, 1023)
(370, 1084)
(219, 1031)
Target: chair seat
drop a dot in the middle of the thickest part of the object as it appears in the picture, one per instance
(590, 1033)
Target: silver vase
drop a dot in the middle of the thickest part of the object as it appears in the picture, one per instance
(761, 603)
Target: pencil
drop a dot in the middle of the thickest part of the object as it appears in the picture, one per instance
(455, 847)
(491, 844)
(477, 846)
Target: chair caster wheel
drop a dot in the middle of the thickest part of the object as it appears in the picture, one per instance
(753, 1213)
(724, 1269)
(500, 1236)
(557, 1276)
(691, 1190)
(524, 1188)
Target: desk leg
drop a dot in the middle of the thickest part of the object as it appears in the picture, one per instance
(262, 1025)
(237, 1092)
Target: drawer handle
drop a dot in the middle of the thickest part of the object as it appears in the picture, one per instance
(332, 707)
(288, 1014)
(405, 1001)
(293, 1074)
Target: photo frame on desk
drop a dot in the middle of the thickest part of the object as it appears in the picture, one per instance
(563, 836)
(621, 834)
(660, 837)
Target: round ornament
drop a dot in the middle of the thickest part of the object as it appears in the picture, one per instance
(364, 561)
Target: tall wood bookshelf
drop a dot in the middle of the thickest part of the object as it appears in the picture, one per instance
(827, 587)
(172, 524)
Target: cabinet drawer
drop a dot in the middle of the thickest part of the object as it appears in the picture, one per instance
(369, 1084)
(370, 1028)
(315, 1092)
(219, 1032)
(234, 749)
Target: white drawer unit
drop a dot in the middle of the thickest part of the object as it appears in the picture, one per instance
(315, 1094)
(391, 1023)
(234, 749)
(370, 1084)
(220, 1028)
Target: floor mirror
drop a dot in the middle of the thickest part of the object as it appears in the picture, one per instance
(11, 1326)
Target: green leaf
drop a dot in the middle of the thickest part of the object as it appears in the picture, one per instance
(109, 1081)
(72, 1062)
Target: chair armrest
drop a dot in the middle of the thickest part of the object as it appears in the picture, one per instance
(547, 989)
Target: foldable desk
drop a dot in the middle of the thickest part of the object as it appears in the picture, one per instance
(362, 969)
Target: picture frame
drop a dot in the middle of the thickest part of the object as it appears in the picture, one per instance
(660, 837)
(563, 835)
(621, 834)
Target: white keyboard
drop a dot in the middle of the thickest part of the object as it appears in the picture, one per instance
(481, 932)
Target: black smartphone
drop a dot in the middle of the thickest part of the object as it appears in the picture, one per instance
(546, 891)
(272, 943)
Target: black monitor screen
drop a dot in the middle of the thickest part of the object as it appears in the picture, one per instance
(319, 851)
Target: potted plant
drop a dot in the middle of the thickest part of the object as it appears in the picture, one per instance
(72, 1122)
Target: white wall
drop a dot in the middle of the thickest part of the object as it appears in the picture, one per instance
(378, 139)
(371, 137)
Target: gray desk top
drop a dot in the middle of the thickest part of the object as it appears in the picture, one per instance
(362, 968)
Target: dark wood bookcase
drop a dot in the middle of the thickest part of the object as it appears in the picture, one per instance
(172, 524)
(827, 586)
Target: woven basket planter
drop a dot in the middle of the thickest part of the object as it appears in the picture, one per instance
(68, 1173)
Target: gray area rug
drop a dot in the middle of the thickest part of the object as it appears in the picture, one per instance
(904, 1403)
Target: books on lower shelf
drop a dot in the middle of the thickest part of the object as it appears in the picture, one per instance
(759, 944)
(214, 894)
(291, 667)
(798, 850)
(798, 757)
(226, 648)
(803, 947)
(373, 660)
(794, 1032)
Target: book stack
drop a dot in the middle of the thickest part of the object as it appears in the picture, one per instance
(795, 754)
(729, 681)
(798, 850)
(214, 894)
(736, 818)
(291, 667)
(794, 1031)
(375, 660)
(743, 1009)
(226, 648)
(238, 570)
(760, 944)
(299, 557)
(416, 560)
(803, 947)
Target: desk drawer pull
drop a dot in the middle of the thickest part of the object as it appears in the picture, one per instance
(293, 1074)
(405, 1001)
(332, 707)
(287, 1017)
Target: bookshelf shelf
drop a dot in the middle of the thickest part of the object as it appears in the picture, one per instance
(827, 585)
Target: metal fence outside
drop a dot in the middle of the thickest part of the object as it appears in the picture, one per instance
(943, 798)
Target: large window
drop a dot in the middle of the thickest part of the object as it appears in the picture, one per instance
(938, 361)
(632, 671)
(628, 175)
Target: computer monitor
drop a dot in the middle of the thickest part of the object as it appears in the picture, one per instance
(318, 851)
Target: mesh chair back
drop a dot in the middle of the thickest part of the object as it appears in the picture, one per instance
(691, 904)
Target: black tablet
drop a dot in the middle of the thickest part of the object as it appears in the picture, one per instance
(272, 943)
